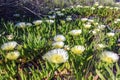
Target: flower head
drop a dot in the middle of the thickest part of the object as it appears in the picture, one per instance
(75, 32)
(84, 19)
(95, 31)
(109, 57)
(100, 46)
(10, 36)
(37, 22)
(58, 44)
(56, 56)
(101, 27)
(50, 21)
(96, 3)
(78, 49)
(59, 38)
(68, 18)
(28, 24)
(110, 34)
(9, 45)
(12, 55)
(87, 26)
(20, 25)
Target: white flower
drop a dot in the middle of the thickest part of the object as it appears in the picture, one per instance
(56, 56)
(111, 8)
(28, 24)
(12, 55)
(96, 3)
(50, 21)
(95, 31)
(68, 18)
(101, 27)
(87, 26)
(52, 17)
(100, 46)
(9, 45)
(79, 6)
(86, 6)
(63, 9)
(109, 57)
(100, 7)
(59, 38)
(90, 20)
(110, 34)
(60, 14)
(58, 44)
(20, 25)
(67, 47)
(79, 49)
(116, 8)
(107, 7)
(75, 32)
(95, 23)
(84, 19)
(92, 8)
(57, 9)
(37, 22)
(118, 20)
(10, 37)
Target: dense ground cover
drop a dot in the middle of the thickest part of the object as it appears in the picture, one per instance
(75, 43)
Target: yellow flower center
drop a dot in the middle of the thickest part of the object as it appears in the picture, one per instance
(58, 46)
(57, 58)
(58, 39)
(10, 47)
(77, 51)
(108, 60)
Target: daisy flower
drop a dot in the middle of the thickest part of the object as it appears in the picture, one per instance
(100, 46)
(109, 57)
(28, 24)
(87, 26)
(10, 36)
(37, 22)
(110, 34)
(101, 27)
(84, 19)
(79, 49)
(56, 56)
(12, 55)
(67, 47)
(68, 18)
(58, 44)
(20, 25)
(59, 38)
(96, 3)
(75, 32)
(95, 31)
(9, 45)
(100, 7)
(50, 21)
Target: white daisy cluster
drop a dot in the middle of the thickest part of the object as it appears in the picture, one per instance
(58, 41)
(57, 55)
(9, 47)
